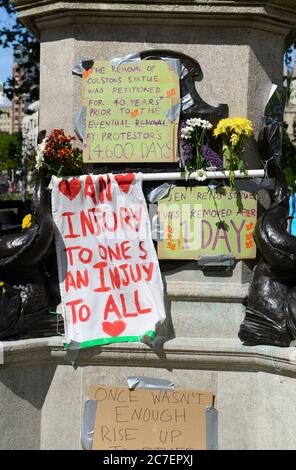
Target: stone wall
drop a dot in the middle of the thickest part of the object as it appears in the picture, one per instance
(42, 396)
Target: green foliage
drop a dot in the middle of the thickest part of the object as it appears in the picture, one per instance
(10, 151)
(289, 157)
(27, 50)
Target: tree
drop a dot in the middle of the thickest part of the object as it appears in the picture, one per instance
(10, 151)
(289, 143)
(26, 50)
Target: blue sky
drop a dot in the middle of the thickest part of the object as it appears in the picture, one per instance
(5, 64)
(5, 54)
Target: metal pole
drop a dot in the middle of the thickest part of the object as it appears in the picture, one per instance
(195, 175)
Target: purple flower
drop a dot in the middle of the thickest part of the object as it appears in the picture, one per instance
(187, 151)
(182, 124)
(212, 158)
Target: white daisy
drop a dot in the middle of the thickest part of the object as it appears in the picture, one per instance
(186, 132)
(201, 175)
(40, 154)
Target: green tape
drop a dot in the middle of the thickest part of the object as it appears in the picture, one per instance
(117, 339)
(51, 312)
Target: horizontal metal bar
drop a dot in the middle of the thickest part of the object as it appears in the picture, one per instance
(194, 176)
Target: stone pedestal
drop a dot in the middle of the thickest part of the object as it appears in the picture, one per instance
(42, 396)
(240, 49)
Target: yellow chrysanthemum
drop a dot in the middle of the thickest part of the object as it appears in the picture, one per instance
(236, 125)
(27, 221)
(243, 126)
(221, 127)
(234, 139)
(2, 288)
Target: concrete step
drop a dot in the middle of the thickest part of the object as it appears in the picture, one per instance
(205, 310)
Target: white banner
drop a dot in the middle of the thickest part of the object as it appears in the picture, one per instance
(110, 281)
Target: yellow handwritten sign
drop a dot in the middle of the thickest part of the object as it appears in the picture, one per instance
(149, 419)
(196, 222)
(127, 118)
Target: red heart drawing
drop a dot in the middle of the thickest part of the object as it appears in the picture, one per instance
(125, 181)
(115, 328)
(70, 188)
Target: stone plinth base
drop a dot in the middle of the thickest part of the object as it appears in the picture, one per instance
(42, 396)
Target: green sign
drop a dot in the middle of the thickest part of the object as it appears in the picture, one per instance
(127, 107)
(197, 221)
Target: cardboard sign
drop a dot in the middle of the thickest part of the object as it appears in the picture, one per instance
(196, 222)
(126, 117)
(149, 419)
(110, 281)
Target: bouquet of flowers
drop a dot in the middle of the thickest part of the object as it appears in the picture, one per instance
(234, 132)
(59, 156)
(195, 151)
